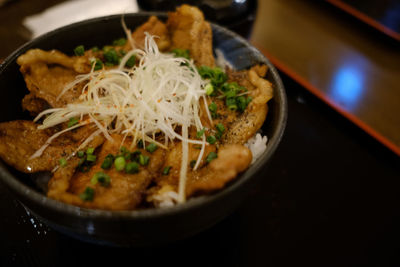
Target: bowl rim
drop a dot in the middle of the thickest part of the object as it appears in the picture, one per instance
(273, 142)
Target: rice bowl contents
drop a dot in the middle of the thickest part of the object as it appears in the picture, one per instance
(148, 121)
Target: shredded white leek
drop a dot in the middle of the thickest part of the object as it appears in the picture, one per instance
(159, 95)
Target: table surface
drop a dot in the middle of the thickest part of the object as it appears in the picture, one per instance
(350, 66)
(329, 197)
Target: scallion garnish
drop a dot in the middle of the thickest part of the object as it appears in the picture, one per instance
(132, 167)
(91, 158)
(108, 161)
(140, 143)
(119, 42)
(151, 147)
(89, 150)
(88, 194)
(220, 127)
(166, 170)
(211, 156)
(131, 61)
(119, 163)
(102, 178)
(200, 133)
(72, 121)
(181, 53)
(111, 57)
(209, 89)
(98, 64)
(143, 160)
(211, 139)
(213, 109)
(63, 162)
(79, 50)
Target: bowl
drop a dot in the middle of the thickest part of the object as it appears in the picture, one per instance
(140, 227)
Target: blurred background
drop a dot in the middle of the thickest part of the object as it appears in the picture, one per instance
(331, 195)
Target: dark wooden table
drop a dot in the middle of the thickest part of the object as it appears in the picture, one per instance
(330, 197)
(349, 65)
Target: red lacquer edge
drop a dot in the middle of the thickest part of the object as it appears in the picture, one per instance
(363, 17)
(318, 93)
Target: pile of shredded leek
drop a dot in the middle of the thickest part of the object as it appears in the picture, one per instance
(159, 95)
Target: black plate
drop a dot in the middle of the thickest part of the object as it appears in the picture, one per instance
(145, 227)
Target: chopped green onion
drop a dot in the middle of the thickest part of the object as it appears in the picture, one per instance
(181, 53)
(88, 194)
(72, 121)
(107, 48)
(89, 150)
(209, 89)
(91, 158)
(132, 167)
(131, 61)
(81, 154)
(200, 133)
(119, 42)
(241, 103)
(63, 162)
(220, 127)
(211, 156)
(213, 109)
(166, 170)
(211, 139)
(220, 130)
(230, 94)
(231, 103)
(143, 160)
(102, 178)
(108, 161)
(216, 75)
(151, 147)
(98, 64)
(125, 153)
(140, 143)
(95, 49)
(111, 57)
(119, 163)
(192, 163)
(79, 50)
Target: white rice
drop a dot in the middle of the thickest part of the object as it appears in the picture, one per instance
(257, 145)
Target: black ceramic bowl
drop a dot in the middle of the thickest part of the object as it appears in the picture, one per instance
(145, 227)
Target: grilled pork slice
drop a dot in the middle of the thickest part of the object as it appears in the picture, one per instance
(231, 160)
(46, 73)
(246, 124)
(153, 26)
(189, 30)
(125, 191)
(19, 140)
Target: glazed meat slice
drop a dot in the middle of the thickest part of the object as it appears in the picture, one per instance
(189, 30)
(154, 27)
(231, 160)
(243, 126)
(46, 74)
(19, 140)
(125, 191)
